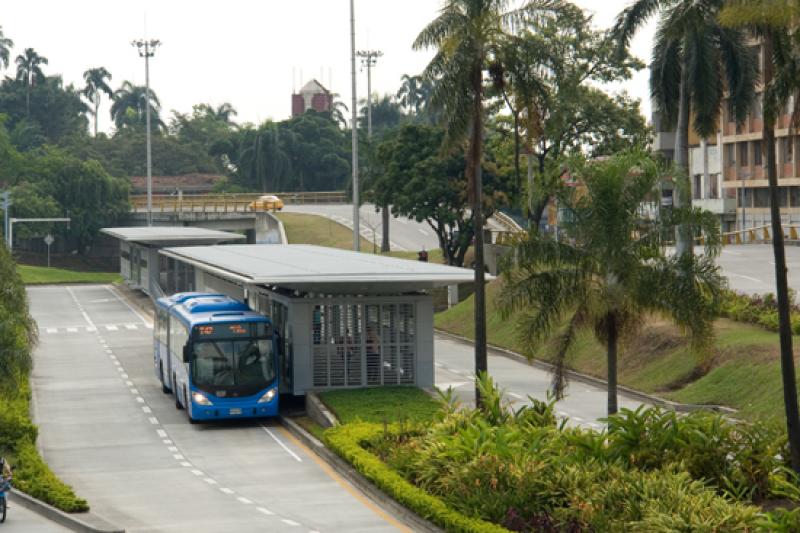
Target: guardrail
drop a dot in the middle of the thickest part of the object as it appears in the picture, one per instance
(754, 235)
(230, 203)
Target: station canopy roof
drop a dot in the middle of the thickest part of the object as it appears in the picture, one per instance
(163, 236)
(319, 269)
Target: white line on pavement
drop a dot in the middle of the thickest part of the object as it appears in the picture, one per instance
(226, 490)
(244, 500)
(161, 433)
(276, 439)
(289, 522)
(146, 410)
(153, 420)
(264, 511)
(113, 291)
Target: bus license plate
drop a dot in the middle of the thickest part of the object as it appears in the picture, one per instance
(236, 411)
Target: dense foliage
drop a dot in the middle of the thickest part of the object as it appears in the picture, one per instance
(757, 309)
(17, 432)
(651, 470)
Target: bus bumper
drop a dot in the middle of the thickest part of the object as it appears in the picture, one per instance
(226, 411)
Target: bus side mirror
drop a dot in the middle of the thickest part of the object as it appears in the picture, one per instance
(187, 354)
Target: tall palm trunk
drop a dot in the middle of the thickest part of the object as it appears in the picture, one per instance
(474, 164)
(782, 288)
(385, 228)
(28, 100)
(96, 110)
(612, 342)
(683, 237)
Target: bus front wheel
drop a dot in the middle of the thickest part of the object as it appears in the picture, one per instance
(188, 408)
(164, 387)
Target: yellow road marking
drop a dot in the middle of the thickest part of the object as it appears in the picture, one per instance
(344, 483)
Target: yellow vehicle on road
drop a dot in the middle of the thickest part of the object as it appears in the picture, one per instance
(268, 202)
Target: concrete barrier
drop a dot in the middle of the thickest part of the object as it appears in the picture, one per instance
(83, 523)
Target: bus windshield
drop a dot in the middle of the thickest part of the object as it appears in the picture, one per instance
(233, 365)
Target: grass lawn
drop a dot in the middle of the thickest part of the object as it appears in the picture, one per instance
(313, 229)
(36, 275)
(381, 404)
(744, 371)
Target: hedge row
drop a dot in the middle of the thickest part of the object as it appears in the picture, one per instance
(758, 310)
(347, 441)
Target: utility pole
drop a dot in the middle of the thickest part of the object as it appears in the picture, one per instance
(6, 217)
(368, 59)
(147, 49)
(354, 130)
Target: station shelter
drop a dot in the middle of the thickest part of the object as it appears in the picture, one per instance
(343, 319)
(143, 268)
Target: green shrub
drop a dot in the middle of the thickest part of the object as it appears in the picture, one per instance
(34, 477)
(348, 441)
(757, 309)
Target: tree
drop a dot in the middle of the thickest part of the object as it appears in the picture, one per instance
(772, 21)
(339, 111)
(29, 73)
(17, 328)
(611, 272)
(5, 50)
(547, 75)
(695, 61)
(130, 107)
(414, 177)
(465, 35)
(263, 158)
(96, 84)
(410, 93)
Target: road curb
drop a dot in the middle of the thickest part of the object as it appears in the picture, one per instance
(400, 512)
(58, 516)
(598, 382)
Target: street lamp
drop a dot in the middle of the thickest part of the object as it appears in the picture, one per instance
(354, 130)
(368, 59)
(147, 49)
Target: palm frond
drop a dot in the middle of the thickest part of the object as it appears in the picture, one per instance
(634, 17)
(665, 75)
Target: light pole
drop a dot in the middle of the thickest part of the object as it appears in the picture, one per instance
(147, 49)
(6, 216)
(354, 130)
(368, 59)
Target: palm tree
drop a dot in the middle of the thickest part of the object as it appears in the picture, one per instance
(95, 79)
(772, 21)
(224, 112)
(465, 35)
(610, 272)
(29, 73)
(410, 93)
(263, 158)
(130, 105)
(695, 60)
(339, 110)
(5, 50)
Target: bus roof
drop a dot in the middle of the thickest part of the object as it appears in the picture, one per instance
(202, 308)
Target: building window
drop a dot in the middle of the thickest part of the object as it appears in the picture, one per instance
(743, 154)
(794, 196)
(788, 149)
(760, 197)
(714, 188)
(757, 154)
(730, 156)
(697, 193)
(758, 107)
(783, 197)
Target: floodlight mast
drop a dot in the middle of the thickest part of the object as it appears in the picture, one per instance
(147, 49)
(354, 131)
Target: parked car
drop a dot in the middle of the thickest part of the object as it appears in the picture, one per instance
(268, 202)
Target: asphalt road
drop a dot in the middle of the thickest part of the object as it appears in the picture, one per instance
(21, 520)
(106, 429)
(404, 233)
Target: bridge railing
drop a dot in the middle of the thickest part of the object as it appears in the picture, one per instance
(229, 203)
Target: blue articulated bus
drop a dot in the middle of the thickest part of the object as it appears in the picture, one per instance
(216, 356)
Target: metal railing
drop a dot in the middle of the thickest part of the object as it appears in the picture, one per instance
(229, 203)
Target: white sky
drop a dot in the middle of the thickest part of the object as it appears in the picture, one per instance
(242, 51)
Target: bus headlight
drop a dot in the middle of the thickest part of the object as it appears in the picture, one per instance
(269, 395)
(200, 399)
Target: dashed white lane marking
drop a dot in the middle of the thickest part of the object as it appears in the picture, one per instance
(264, 510)
(146, 410)
(186, 464)
(120, 370)
(748, 278)
(112, 328)
(52, 330)
(423, 232)
(91, 329)
(289, 522)
(209, 481)
(134, 391)
(131, 326)
(244, 500)
(282, 445)
(172, 448)
(72, 330)
(226, 490)
(129, 383)
(124, 375)
(140, 399)
(197, 472)
(515, 395)
(168, 442)
(153, 420)
(161, 433)
(179, 457)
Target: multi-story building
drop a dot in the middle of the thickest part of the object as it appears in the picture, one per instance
(728, 170)
(312, 96)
